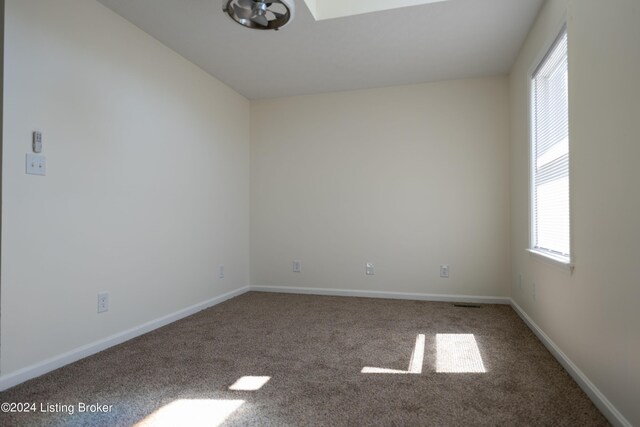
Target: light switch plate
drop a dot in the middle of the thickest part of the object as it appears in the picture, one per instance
(36, 164)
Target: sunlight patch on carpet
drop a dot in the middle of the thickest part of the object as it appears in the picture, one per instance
(249, 383)
(192, 413)
(415, 364)
(458, 353)
(370, 370)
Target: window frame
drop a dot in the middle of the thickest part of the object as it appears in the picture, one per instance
(558, 260)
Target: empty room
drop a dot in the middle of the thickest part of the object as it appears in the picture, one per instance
(320, 213)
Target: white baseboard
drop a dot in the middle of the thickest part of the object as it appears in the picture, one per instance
(602, 403)
(383, 294)
(33, 371)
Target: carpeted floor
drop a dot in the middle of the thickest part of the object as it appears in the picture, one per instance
(314, 349)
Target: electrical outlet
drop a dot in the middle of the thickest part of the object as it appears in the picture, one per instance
(370, 269)
(221, 271)
(297, 266)
(533, 290)
(444, 271)
(103, 302)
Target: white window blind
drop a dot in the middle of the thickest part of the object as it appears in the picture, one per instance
(550, 152)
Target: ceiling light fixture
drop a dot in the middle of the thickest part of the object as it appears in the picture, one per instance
(260, 14)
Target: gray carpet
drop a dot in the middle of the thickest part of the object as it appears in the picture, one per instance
(314, 348)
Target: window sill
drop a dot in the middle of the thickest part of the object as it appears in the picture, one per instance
(558, 261)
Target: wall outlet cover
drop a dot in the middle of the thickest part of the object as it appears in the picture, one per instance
(444, 271)
(370, 269)
(103, 302)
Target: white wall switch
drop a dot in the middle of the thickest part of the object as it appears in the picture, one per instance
(36, 164)
(37, 142)
(370, 269)
(444, 271)
(221, 271)
(103, 302)
(297, 266)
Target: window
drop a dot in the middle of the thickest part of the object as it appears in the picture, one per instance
(550, 218)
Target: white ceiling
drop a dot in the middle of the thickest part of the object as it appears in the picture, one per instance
(452, 39)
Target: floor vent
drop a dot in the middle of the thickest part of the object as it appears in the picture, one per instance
(461, 304)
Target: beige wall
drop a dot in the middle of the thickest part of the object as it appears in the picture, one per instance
(406, 177)
(147, 189)
(592, 315)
